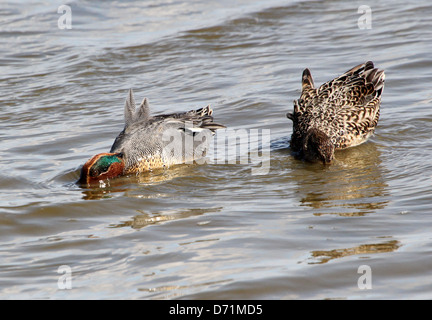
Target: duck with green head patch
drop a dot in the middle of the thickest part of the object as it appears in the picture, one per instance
(143, 143)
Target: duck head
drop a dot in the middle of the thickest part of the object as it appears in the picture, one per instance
(317, 146)
(101, 167)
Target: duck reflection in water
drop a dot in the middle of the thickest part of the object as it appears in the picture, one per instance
(352, 186)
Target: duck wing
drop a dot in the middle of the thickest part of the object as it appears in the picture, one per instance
(345, 108)
(148, 138)
(352, 104)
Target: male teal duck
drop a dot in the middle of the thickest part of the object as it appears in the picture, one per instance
(341, 113)
(151, 142)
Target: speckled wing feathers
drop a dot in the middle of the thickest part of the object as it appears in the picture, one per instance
(345, 108)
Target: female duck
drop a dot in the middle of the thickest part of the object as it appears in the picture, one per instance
(341, 113)
(150, 142)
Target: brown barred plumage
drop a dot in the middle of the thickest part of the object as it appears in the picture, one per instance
(344, 111)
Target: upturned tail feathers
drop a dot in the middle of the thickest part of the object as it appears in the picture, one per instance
(307, 80)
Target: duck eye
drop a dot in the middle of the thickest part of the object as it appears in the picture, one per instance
(104, 168)
(96, 171)
(101, 166)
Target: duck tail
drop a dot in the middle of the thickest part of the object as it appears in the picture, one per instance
(206, 116)
(377, 78)
(307, 80)
(213, 126)
(206, 111)
(367, 71)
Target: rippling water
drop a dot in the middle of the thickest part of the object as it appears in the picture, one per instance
(216, 230)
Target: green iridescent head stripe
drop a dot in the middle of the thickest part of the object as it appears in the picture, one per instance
(103, 164)
(107, 160)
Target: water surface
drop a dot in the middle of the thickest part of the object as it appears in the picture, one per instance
(211, 231)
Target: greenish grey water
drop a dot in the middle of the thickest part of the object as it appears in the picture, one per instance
(211, 231)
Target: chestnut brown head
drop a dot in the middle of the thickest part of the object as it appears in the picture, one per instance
(317, 146)
(101, 167)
